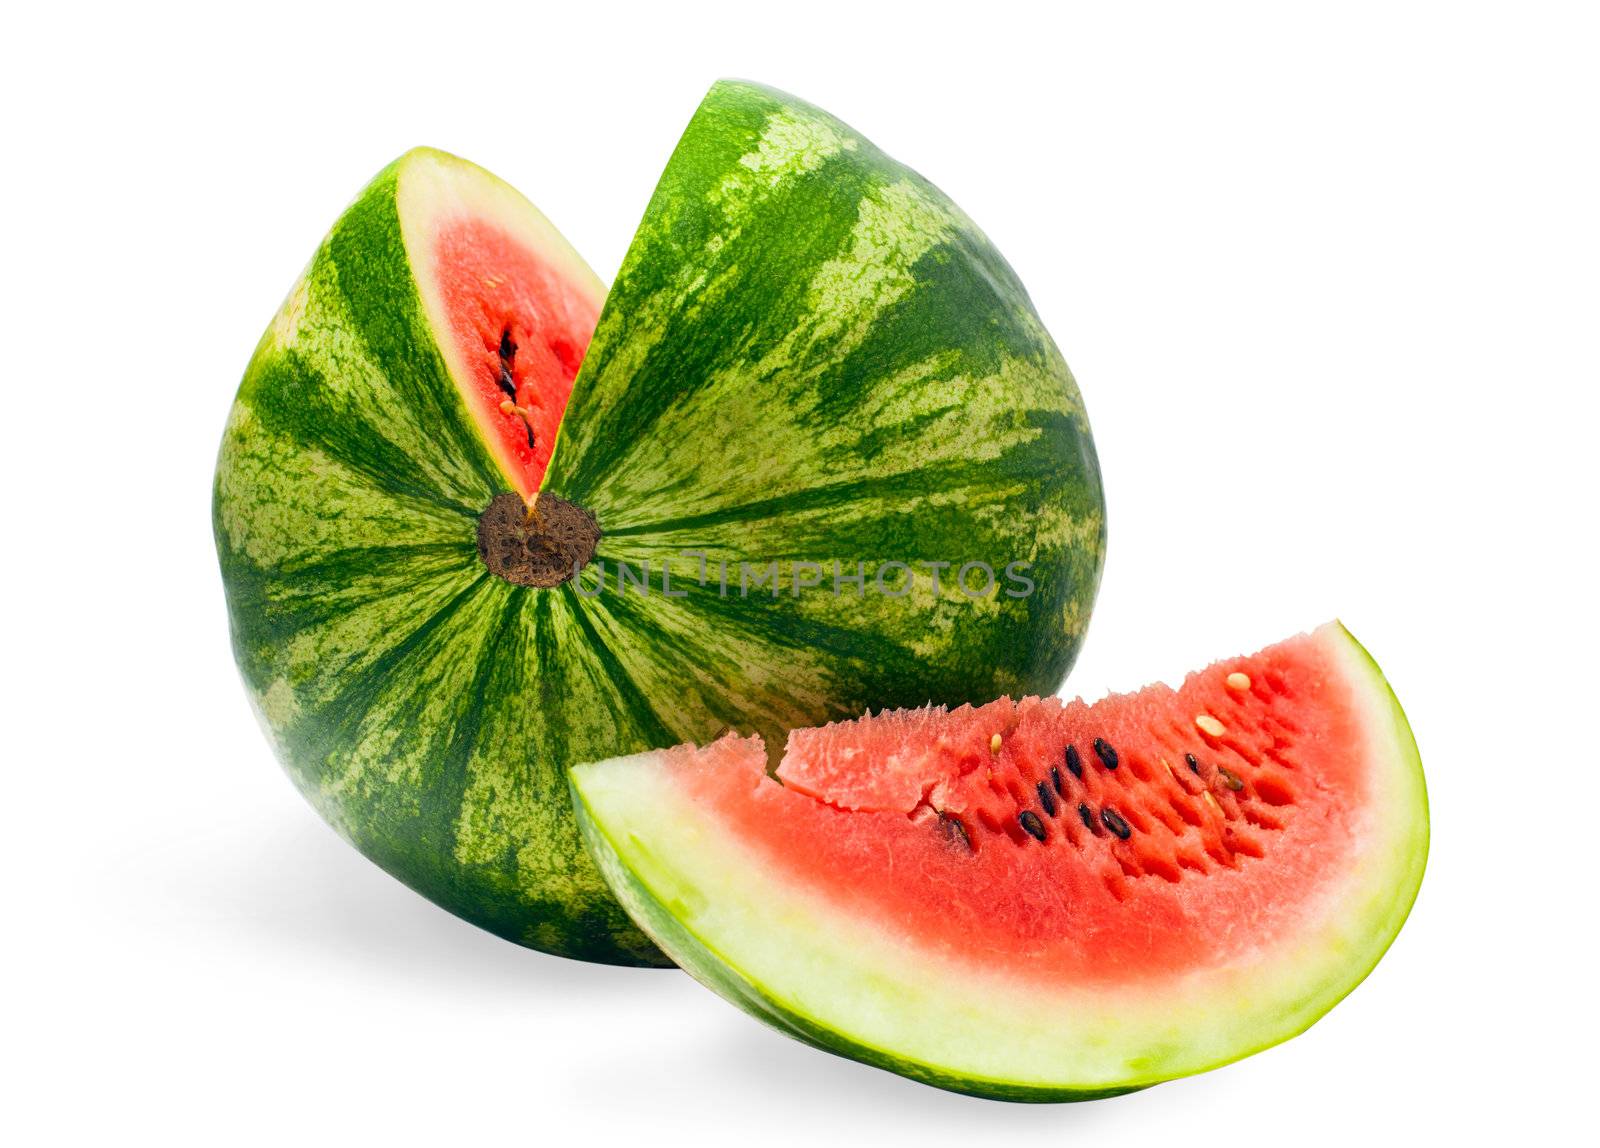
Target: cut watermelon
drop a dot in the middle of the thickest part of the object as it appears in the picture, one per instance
(812, 365)
(1038, 900)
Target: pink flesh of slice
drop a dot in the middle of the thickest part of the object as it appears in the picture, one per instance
(858, 819)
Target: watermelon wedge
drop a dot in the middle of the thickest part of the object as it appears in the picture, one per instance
(1038, 900)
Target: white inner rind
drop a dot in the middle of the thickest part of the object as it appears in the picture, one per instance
(435, 188)
(1014, 1026)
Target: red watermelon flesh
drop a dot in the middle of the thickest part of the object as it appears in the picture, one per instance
(1075, 819)
(520, 307)
(1163, 880)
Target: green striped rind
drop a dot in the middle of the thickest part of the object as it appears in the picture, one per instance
(809, 355)
(776, 947)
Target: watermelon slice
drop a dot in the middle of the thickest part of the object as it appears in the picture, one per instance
(1038, 900)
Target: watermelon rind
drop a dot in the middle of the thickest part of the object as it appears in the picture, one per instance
(810, 355)
(782, 955)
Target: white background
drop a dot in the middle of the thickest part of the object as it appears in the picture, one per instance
(1329, 284)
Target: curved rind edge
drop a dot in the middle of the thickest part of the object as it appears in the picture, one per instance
(702, 962)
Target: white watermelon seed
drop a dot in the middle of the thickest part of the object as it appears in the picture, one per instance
(1209, 724)
(994, 744)
(1238, 681)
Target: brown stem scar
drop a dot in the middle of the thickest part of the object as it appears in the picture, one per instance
(543, 543)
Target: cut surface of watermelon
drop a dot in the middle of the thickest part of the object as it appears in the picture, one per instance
(518, 303)
(1034, 899)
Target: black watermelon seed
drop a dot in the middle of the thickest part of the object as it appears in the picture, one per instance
(1107, 755)
(1029, 820)
(1055, 780)
(530, 436)
(955, 833)
(1088, 818)
(1074, 762)
(507, 347)
(1047, 800)
(1230, 779)
(1194, 762)
(507, 383)
(1113, 821)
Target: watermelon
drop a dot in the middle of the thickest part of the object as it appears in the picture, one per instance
(479, 520)
(1034, 900)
